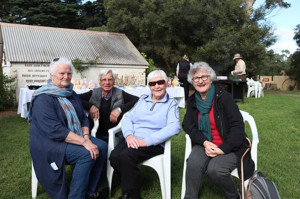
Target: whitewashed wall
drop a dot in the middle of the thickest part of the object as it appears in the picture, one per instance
(124, 76)
(38, 74)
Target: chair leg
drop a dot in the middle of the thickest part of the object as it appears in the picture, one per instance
(183, 186)
(167, 176)
(34, 183)
(168, 187)
(110, 172)
(162, 181)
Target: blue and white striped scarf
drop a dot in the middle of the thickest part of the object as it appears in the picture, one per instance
(61, 94)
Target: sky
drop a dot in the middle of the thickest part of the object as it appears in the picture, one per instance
(284, 21)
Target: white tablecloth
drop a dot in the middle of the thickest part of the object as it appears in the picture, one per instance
(26, 95)
(176, 92)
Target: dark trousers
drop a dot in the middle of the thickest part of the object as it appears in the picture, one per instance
(186, 87)
(125, 162)
(242, 77)
(218, 169)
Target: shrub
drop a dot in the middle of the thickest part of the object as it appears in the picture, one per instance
(8, 92)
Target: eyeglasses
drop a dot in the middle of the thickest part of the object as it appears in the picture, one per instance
(197, 79)
(105, 80)
(159, 82)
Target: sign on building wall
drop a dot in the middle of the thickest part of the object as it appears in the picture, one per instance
(32, 74)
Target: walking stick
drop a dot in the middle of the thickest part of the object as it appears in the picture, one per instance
(242, 168)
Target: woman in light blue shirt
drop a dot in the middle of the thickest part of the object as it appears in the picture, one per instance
(153, 120)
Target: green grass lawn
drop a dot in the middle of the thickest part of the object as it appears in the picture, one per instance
(278, 123)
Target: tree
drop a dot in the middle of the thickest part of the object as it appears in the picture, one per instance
(275, 63)
(93, 14)
(294, 72)
(297, 34)
(269, 5)
(54, 13)
(205, 30)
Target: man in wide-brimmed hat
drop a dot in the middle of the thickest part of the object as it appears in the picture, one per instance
(240, 67)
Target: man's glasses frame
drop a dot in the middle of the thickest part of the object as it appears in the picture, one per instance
(159, 82)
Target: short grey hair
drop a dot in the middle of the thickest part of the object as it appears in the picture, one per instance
(105, 71)
(58, 61)
(201, 66)
(157, 73)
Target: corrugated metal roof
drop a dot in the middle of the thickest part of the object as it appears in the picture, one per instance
(25, 43)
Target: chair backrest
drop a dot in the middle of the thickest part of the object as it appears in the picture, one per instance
(188, 148)
(248, 118)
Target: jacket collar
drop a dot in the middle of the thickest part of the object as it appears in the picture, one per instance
(164, 99)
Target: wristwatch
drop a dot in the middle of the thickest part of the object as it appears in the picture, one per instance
(119, 109)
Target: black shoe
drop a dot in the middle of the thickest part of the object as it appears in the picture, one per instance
(97, 195)
(240, 194)
(125, 196)
(103, 193)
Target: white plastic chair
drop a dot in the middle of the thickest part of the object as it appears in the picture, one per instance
(34, 180)
(251, 87)
(254, 88)
(160, 163)
(259, 90)
(188, 148)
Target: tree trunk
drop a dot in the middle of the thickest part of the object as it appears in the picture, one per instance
(249, 6)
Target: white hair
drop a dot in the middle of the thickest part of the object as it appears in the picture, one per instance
(201, 66)
(105, 71)
(58, 61)
(157, 73)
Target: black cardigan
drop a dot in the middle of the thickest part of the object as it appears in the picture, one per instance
(128, 102)
(229, 123)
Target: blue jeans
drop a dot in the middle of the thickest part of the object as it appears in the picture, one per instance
(86, 172)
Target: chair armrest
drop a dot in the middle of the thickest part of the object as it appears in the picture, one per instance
(95, 128)
(167, 152)
(188, 146)
(112, 139)
(96, 125)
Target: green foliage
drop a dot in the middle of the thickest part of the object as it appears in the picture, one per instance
(272, 115)
(211, 31)
(151, 66)
(93, 14)
(294, 72)
(100, 29)
(8, 92)
(297, 35)
(81, 65)
(274, 63)
(54, 13)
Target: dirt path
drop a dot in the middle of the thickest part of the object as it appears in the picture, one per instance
(7, 113)
(285, 94)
